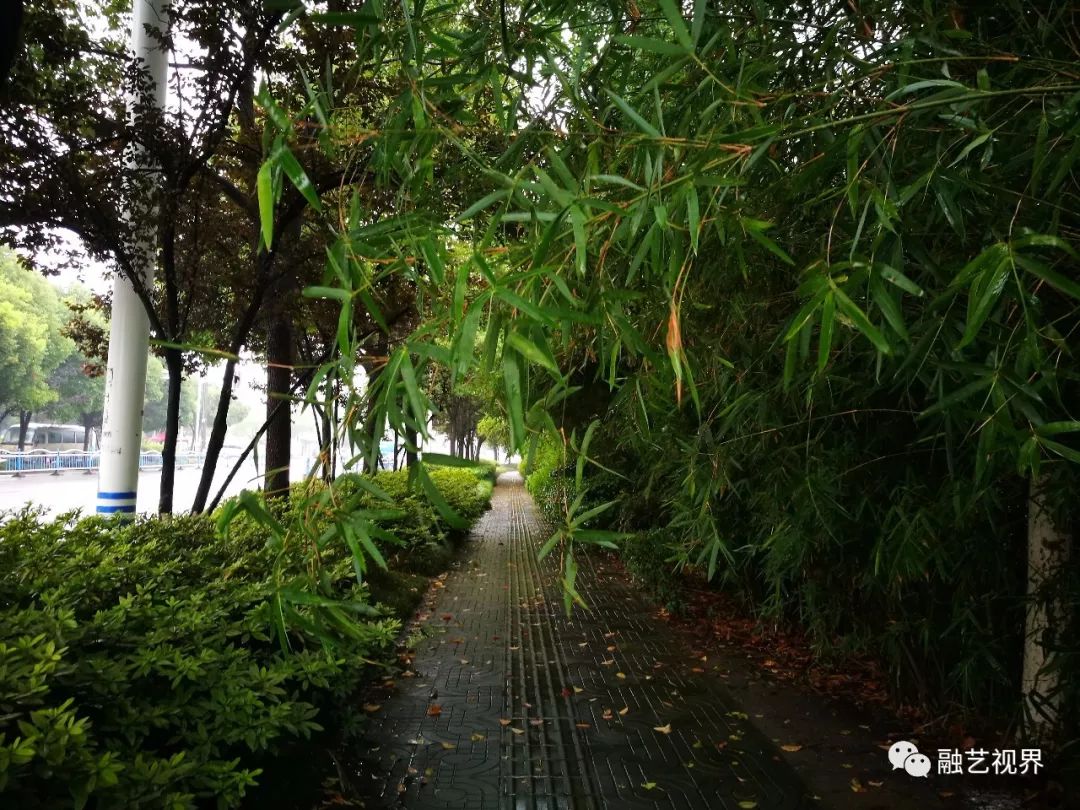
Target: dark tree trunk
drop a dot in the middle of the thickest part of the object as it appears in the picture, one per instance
(88, 427)
(217, 438)
(24, 425)
(221, 417)
(175, 365)
(410, 443)
(328, 447)
(380, 348)
(279, 351)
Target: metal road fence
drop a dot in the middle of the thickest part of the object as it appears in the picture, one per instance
(16, 463)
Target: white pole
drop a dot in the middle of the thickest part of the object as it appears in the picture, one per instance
(129, 333)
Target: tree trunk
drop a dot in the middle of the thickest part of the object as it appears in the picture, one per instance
(410, 444)
(327, 446)
(24, 425)
(217, 438)
(263, 263)
(175, 365)
(88, 427)
(379, 349)
(279, 359)
(1048, 552)
(334, 442)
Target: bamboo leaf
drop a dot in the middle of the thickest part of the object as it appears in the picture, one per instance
(534, 353)
(894, 276)
(514, 397)
(265, 188)
(334, 293)
(634, 115)
(484, 202)
(862, 323)
(985, 291)
(959, 395)
(297, 176)
(652, 44)
(828, 312)
(674, 16)
(693, 217)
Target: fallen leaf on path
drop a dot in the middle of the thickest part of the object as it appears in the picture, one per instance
(578, 690)
(623, 711)
(608, 714)
(607, 663)
(536, 721)
(567, 691)
(583, 725)
(791, 748)
(517, 730)
(371, 707)
(504, 722)
(448, 746)
(477, 737)
(747, 804)
(447, 617)
(434, 710)
(648, 785)
(663, 729)
(621, 676)
(856, 785)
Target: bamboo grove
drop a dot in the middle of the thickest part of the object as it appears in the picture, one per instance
(792, 287)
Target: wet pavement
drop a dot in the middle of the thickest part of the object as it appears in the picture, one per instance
(508, 703)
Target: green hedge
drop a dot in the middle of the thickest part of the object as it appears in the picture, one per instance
(548, 476)
(136, 663)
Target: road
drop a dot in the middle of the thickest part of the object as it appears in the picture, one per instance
(75, 489)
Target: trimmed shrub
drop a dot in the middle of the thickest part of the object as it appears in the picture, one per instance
(137, 666)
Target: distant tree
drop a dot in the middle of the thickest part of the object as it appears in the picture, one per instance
(495, 430)
(80, 390)
(32, 345)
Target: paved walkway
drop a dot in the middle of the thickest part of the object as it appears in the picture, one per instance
(510, 704)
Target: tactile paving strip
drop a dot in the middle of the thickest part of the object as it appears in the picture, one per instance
(516, 706)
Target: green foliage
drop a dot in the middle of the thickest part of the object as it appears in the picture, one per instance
(31, 343)
(650, 557)
(138, 662)
(139, 668)
(416, 526)
(547, 476)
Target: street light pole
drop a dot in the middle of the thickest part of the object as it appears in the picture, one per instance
(129, 331)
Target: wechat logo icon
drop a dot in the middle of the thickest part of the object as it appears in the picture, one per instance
(904, 755)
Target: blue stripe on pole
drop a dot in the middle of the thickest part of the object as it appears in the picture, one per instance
(116, 496)
(108, 510)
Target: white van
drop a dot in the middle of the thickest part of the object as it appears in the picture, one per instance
(48, 437)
